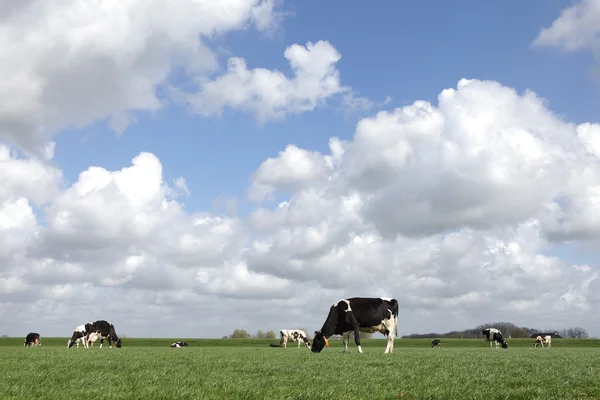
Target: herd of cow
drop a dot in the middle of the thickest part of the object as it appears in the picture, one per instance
(352, 315)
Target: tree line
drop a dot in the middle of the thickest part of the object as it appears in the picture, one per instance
(508, 329)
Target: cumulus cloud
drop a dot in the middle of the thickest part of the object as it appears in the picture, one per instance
(77, 62)
(271, 94)
(449, 207)
(454, 208)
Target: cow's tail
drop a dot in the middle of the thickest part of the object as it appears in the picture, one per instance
(395, 314)
(275, 345)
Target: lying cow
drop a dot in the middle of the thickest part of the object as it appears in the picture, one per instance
(493, 335)
(359, 314)
(436, 343)
(292, 335)
(32, 339)
(179, 344)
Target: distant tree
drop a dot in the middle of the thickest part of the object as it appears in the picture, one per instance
(240, 334)
(270, 335)
(574, 332)
(260, 335)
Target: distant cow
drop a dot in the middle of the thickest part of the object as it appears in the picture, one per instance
(105, 330)
(292, 335)
(547, 340)
(493, 335)
(32, 339)
(179, 344)
(359, 314)
(436, 343)
(80, 334)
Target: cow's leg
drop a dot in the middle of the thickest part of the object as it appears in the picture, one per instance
(357, 338)
(299, 342)
(346, 338)
(101, 341)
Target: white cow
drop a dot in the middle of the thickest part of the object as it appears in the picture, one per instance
(539, 341)
(293, 335)
(547, 340)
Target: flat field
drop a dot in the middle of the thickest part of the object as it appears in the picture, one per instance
(250, 369)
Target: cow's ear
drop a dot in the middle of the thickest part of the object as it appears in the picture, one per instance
(316, 333)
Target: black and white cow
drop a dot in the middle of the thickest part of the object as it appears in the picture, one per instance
(80, 334)
(436, 343)
(179, 344)
(292, 335)
(359, 314)
(493, 335)
(106, 330)
(32, 339)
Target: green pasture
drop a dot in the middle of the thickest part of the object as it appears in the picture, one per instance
(250, 369)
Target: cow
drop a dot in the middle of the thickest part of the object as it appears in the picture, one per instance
(356, 314)
(179, 344)
(547, 340)
(538, 341)
(493, 335)
(436, 343)
(80, 334)
(292, 335)
(32, 339)
(105, 330)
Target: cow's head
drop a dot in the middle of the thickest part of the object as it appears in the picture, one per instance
(505, 345)
(70, 343)
(118, 343)
(318, 342)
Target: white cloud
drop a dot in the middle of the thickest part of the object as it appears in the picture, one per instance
(577, 28)
(270, 94)
(77, 62)
(453, 208)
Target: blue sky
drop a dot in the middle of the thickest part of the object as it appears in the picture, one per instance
(448, 205)
(406, 50)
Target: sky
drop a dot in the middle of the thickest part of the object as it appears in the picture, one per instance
(183, 169)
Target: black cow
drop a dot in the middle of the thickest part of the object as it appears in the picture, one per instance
(106, 330)
(493, 335)
(32, 339)
(436, 343)
(359, 314)
(179, 344)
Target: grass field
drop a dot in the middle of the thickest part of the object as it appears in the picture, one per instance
(250, 369)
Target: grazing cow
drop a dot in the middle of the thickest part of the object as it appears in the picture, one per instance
(493, 335)
(105, 330)
(80, 334)
(538, 341)
(547, 340)
(436, 343)
(359, 314)
(292, 335)
(32, 339)
(179, 344)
